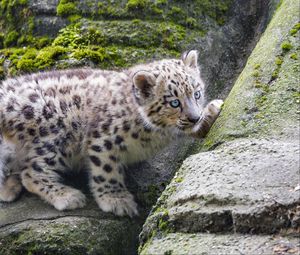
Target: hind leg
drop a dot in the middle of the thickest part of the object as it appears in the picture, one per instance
(41, 176)
(39, 179)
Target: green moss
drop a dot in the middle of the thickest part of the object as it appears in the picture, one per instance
(26, 65)
(295, 29)
(208, 143)
(160, 10)
(74, 36)
(259, 115)
(294, 56)
(279, 4)
(255, 73)
(27, 62)
(127, 35)
(278, 61)
(161, 2)
(176, 12)
(257, 66)
(2, 73)
(191, 22)
(74, 18)
(259, 101)
(66, 8)
(137, 33)
(96, 55)
(274, 75)
(30, 25)
(103, 57)
(244, 123)
(37, 42)
(48, 55)
(178, 179)
(155, 10)
(262, 86)
(11, 39)
(286, 46)
(163, 225)
(151, 195)
(161, 210)
(297, 26)
(136, 21)
(130, 39)
(296, 96)
(133, 5)
(31, 59)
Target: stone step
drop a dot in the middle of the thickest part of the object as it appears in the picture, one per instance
(203, 244)
(244, 186)
(248, 185)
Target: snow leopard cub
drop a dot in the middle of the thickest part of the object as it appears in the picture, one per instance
(54, 122)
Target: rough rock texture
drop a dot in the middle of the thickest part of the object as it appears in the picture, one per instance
(248, 185)
(223, 52)
(245, 177)
(204, 244)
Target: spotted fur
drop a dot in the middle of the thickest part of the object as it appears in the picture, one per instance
(98, 120)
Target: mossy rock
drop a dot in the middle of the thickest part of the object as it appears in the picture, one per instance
(164, 29)
(249, 141)
(69, 235)
(66, 8)
(266, 94)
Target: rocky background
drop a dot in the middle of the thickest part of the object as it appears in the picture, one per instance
(239, 192)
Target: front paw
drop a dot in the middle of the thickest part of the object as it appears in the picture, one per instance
(69, 199)
(118, 203)
(215, 106)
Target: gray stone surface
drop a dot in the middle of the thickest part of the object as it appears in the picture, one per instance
(45, 25)
(248, 185)
(205, 244)
(224, 51)
(69, 235)
(43, 6)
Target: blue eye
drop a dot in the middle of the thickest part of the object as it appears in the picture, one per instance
(197, 94)
(175, 103)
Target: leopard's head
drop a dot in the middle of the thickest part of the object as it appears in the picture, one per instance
(170, 93)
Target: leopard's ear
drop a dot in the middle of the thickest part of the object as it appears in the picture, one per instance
(190, 58)
(144, 82)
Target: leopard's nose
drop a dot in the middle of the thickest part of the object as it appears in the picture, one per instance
(194, 119)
